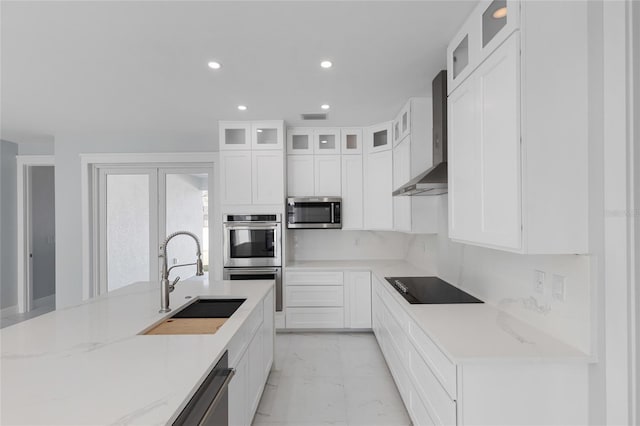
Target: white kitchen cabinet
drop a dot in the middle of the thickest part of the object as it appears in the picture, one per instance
(517, 159)
(357, 288)
(235, 173)
(267, 135)
(378, 186)
(484, 185)
(327, 175)
(326, 141)
(234, 135)
(351, 141)
(401, 175)
(239, 394)
(268, 177)
(299, 140)
(314, 299)
(352, 192)
(378, 138)
(300, 175)
(251, 356)
(490, 23)
(311, 175)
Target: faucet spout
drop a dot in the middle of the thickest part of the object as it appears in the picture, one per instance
(166, 287)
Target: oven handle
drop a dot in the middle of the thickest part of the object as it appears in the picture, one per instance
(252, 227)
(252, 271)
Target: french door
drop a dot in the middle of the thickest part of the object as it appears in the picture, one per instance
(135, 208)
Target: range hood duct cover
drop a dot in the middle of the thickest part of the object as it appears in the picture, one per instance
(434, 180)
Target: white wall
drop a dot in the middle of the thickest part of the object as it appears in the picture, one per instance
(68, 148)
(43, 231)
(8, 223)
(506, 280)
(335, 244)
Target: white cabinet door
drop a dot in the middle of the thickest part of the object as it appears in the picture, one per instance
(379, 137)
(256, 372)
(378, 201)
(500, 158)
(314, 295)
(463, 167)
(268, 177)
(326, 141)
(234, 135)
(299, 140)
(268, 331)
(401, 175)
(352, 190)
(300, 176)
(351, 141)
(358, 290)
(238, 394)
(267, 135)
(235, 171)
(328, 179)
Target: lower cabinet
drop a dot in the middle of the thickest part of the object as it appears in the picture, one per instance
(327, 299)
(251, 355)
(438, 391)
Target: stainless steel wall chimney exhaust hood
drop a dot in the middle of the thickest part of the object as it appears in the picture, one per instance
(434, 180)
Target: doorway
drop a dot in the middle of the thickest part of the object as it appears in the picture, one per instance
(36, 236)
(137, 207)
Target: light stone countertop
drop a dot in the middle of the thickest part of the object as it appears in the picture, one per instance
(87, 364)
(465, 333)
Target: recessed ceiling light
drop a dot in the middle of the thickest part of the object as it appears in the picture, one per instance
(500, 13)
(323, 141)
(214, 65)
(325, 106)
(326, 64)
(242, 107)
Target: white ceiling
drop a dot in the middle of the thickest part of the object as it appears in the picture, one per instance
(141, 66)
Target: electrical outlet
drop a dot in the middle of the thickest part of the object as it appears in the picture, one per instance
(559, 288)
(356, 242)
(538, 281)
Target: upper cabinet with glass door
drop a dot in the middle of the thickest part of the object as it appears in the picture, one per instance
(326, 141)
(351, 141)
(379, 137)
(235, 135)
(299, 140)
(490, 23)
(267, 134)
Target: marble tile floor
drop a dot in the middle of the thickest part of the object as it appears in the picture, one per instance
(330, 379)
(8, 320)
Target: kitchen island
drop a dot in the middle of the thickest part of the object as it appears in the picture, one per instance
(88, 364)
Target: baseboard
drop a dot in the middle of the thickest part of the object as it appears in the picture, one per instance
(8, 311)
(44, 301)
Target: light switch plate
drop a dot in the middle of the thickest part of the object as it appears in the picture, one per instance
(559, 288)
(538, 281)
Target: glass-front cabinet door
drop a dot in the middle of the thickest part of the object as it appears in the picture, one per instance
(299, 140)
(267, 135)
(499, 19)
(351, 141)
(379, 137)
(234, 135)
(326, 141)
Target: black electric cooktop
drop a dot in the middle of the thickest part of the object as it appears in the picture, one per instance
(429, 290)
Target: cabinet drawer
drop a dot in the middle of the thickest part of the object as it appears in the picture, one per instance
(396, 366)
(441, 407)
(314, 295)
(315, 318)
(314, 278)
(443, 369)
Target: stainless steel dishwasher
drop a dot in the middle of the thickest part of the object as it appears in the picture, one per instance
(210, 404)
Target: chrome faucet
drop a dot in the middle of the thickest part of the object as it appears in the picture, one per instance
(167, 288)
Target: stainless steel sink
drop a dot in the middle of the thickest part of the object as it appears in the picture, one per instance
(204, 316)
(210, 308)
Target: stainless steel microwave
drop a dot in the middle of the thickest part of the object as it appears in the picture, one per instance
(314, 212)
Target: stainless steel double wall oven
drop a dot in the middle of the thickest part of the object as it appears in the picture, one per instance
(253, 249)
